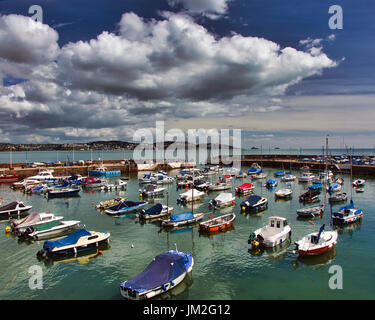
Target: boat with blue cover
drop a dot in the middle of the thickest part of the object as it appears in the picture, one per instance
(334, 187)
(103, 172)
(316, 186)
(78, 241)
(347, 214)
(255, 169)
(182, 219)
(279, 173)
(254, 203)
(270, 183)
(165, 272)
(155, 212)
(125, 207)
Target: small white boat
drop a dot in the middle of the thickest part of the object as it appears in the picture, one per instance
(283, 193)
(151, 190)
(274, 233)
(14, 208)
(316, 243)
(306, 177)
(260, 175)
(232, 171)
(50, 229)
(288, 178)
(44, 175)
(25, 183)
(182, 219)
(359, 183)
(220, 186)
(155, 212)
(118, 186)
(190, 195)
(222, 200)
(310, 211)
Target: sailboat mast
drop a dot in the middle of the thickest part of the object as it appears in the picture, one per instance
(351, 174)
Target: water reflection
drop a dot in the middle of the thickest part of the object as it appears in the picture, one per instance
(277, 252)
(316, 261)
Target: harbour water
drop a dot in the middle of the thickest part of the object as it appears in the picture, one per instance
(224, 268)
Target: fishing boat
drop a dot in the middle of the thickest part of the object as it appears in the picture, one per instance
(274, 233)
(33, 219)
(103, 172)
(270, 183)
(14, 208)
(63, 192)
(222, 200)
(255, 169)
(125, 207)
(338, 197)
(165, 272)
(103, 205)
(189, 196)
(283, 193)
(155, 212)
(316, 186)
(306, 177)
(245, 188)
(316, 243)
(182, 219)
(221, 223)
(359, 183)
(254, 203)
(78, 241)
(288, 178)
(310, 211)
(310, 196)
(49, 229)
(334, 187)
(151, 190)
(347, 214)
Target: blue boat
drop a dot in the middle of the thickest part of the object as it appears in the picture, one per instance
(125, 207)
(316, 186)
(279, 173)
(103, 172)
(254, 203)
(270, 183)
(347, 214)
(165, 272)
(63, 192)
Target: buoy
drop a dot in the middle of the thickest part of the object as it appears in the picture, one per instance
(255, 243)
(100, 252)
(92, 203)
(132, 246)
(7, 229)
(140, 195)
(233, 203)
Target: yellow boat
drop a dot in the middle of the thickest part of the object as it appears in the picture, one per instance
(104, 205)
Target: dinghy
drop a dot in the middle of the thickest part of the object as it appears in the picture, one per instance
(14, 208)
(306, 177)
(155, 212)
(338, 197)
(310, 196)
(220, 186)
(182, 219)
(316, 243)
(288, 178)
(274, 233)
(310, 211)
(315, 186)
(78, 241)
(254, 203)
(359, 183)
(270, 183)
(103, 205)
(165, 272)
(221, 223)
(201, 185)
(283, 193)
(279, 173)
(125, 207)
(222, 200)
(189, 196)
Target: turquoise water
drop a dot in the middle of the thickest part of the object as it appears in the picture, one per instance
(224, 269)
(41, 156)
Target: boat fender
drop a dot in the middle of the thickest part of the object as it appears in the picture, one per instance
(75, 250)
(7, 229)
(165, 287)
(172, 283)
(96, 244)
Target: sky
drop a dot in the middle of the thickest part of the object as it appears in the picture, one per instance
(101, 70)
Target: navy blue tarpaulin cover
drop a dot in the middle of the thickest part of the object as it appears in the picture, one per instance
(348, 206)
(70, 239)
(154, 210)
(182, 216)
(165, 267)
(125, 205)
(253, 199)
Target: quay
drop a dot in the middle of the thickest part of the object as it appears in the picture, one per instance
(128, 166)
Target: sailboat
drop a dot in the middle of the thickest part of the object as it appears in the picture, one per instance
(348, 214)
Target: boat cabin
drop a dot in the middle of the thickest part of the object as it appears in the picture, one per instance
(277, 222)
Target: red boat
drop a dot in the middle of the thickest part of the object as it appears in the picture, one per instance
(5, 178)
(245, 188)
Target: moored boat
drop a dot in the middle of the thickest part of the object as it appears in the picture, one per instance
(310, 196)
(338, 197)
(165, 272)
(359, 183)
(151, 190)
(283, 193)
(49, 229)
(310, 211)
(217, 224)
(270, 183)
(125, 207)
(245, 188)
(33, 219)
(316, 243)
(103, 205)
(63, 192)
(14, 208)
(155, 212)
(222, 200)
(254, 203)
(7, 178)
(103, 172)
(288, 178)
(190, 196)
(182, 219)
(347, 214)
(316, 186)
(79, 240)
(274, 233)
(306, 177)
